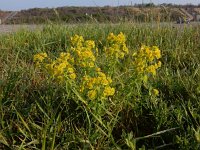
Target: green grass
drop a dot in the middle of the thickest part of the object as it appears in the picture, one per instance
(38, 114)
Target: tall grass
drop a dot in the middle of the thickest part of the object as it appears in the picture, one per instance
(38, 114)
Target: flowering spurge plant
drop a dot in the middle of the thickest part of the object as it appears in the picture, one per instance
(83, 52)
(145, 64)
(79, 66)
(99, 84)
(93, 82)
(114, 52)
(38, 58)
(58, 68)
(145, 60)
(116, 46)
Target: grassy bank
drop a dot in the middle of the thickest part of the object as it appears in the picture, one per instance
(37, 112)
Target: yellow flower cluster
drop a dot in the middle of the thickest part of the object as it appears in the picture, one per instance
(83, 51)
(145, 60)
(98, 85)
(61, 67)
(116, 46)
(39, 58)
(79, 64)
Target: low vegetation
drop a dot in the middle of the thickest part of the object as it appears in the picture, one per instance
(106, 86)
